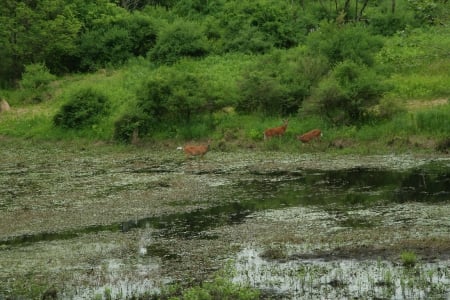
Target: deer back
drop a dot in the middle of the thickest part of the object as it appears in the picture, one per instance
(310, 135)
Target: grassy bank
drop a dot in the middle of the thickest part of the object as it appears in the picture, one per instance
(413, 116)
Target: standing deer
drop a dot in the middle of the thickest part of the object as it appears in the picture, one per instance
(310, 135)
(195, 150)
(276, 131)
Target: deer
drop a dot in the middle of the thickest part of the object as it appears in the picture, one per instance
(276, 131)
(195, 150)
(310, 135)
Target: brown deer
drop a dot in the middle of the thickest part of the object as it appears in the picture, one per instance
(276, 131)
(310, 135)
(195, 150)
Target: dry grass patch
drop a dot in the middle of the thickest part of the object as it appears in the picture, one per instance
(415, 105)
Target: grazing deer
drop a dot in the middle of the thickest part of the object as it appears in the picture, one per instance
(310, 135)
(195, 150)
(276, 131)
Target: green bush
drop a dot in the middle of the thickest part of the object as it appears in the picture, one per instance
(347, 94)
(104, 46)
(427, 11)
(85, 107)
(349, 42)
(278, 83)
(170, 99)
(259, 26)
(248, 40)
(114, 41)
(126, 126)
(35, 80)
(178, 40)
(260, 93)
(141, 30)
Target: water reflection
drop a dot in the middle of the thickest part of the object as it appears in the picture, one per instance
(338, 189)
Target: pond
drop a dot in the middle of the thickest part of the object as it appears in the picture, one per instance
(97, 221)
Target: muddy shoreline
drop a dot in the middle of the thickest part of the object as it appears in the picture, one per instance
(81, 219)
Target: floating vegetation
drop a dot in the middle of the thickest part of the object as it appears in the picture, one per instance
(100, 223)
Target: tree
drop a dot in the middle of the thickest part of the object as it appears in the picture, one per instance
(37, 31)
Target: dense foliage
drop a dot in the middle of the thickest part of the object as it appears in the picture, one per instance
(69, 36)
(186, 67)
(84, 108)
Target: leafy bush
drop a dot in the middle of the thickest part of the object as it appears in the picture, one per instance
(103, 46)
(389, 17)
(178, 40)
(260, 93)
(347, 94)
(427, 11)
(85, 107)
(141, 30)
(248, 40)
(174, 98)
(350, 42)
(36, 77)
(35, 80)
(278, 83)
(387, 24)
(112, 42)
(259, 26)
(126, 126)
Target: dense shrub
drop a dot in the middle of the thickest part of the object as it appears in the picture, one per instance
(172, 99)
(387, 24)
(347, 42)
(258, 26)
(178, 40)
(36, 77)
(35, 81)
(261, 93)
(126, 126)
(112, 42)
(142, 32)
(278, 83)
(104, 46)
(428, 11)
(347, 94)
(85, 107)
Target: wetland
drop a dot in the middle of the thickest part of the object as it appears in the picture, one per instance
(102, 221)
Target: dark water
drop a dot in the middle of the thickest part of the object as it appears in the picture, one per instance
(335, 190)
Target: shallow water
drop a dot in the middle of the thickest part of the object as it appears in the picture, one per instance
(97, 221)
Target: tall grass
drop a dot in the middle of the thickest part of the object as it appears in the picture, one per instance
(435, 121)
(420, 86)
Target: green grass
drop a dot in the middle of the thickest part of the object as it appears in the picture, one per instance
(417, 64)
(409, 258)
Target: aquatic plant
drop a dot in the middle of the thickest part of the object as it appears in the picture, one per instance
(409, 258)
